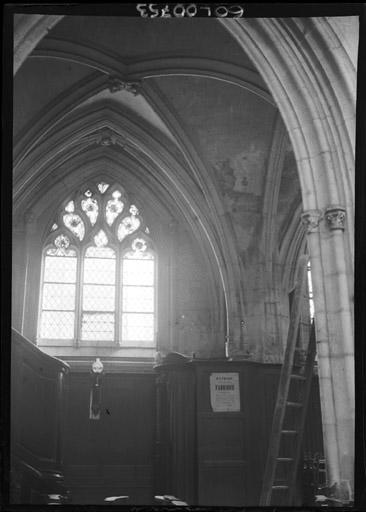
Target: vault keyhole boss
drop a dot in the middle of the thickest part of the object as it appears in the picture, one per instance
(189, 10)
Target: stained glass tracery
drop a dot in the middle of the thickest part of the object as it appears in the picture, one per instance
(101, 239)
(82, 300)
(127, 226)
(75, 224)
(91, 208)
(102, 187)
(114, 207)
(70, 207)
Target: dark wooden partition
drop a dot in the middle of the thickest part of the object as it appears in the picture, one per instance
(176, 451)
(216, 458)
(37, 411)
(113, 455)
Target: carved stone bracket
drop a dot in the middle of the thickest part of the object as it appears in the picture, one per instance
(29, 217)
(335, 217)
(106, 138)
(115, 84)
(311, 219)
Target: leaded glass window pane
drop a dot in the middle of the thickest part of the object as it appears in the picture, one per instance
(57, 325)
(58, 293)
(139, 328)
(98, 294)
(97, 326)
(99, 266)
(310, 291)
(138, 272)
(58, 296)
(60, 270)
(100, 252)
(98, 297)
(138, 299)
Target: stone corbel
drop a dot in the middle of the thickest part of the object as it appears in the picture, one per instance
(106, 137)
(311, 220)
(115, 84)
(18, 223)
(335, 217)
(29, 217)
(30, 222)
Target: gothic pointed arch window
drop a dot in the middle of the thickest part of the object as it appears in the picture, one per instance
(98, 275)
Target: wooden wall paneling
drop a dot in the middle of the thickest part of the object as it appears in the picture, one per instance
(161, 473)
(221, 440)
(36, 402)
(176, 449)
(115, 454)
(39, 415)
(231, 447)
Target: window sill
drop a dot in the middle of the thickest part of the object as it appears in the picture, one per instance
(114, 353)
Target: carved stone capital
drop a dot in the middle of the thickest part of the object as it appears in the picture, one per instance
(115, 84)
(106, 137)
(29, 217)
(335, 217)
(311, 219)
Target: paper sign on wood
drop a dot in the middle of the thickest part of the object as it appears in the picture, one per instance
(225, 392)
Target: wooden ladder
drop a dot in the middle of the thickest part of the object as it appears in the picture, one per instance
(284, 451)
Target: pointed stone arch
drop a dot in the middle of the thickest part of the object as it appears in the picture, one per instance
(313, 81)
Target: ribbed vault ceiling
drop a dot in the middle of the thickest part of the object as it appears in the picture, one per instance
(190, 103)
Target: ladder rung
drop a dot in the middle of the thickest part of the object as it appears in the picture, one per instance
(294, 404)
(298, 377)
(284, 459)
(291, 432)
(280, 486)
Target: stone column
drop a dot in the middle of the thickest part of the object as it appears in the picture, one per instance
(173, 335)
(18, 273)
(33, 250)
(334, 332)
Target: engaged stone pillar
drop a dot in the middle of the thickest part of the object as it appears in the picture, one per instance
(334, 329)
(18, 272)
(33, 249)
